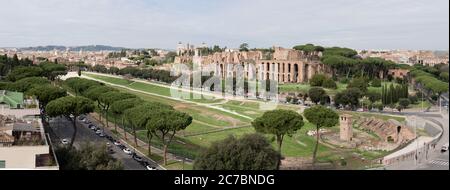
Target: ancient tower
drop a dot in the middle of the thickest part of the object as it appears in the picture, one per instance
(346, 131)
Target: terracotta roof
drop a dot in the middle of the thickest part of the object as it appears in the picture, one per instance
(6, 138)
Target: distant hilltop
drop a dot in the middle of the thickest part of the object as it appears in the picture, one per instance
(75, 48)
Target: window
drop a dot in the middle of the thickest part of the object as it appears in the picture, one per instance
(2, 164)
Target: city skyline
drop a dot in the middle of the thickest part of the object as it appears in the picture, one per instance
(393, 24)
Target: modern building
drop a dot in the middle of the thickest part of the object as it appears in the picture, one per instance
(24, 145)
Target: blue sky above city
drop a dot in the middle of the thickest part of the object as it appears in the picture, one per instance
(359, 24)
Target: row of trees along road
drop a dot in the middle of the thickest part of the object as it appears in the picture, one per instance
(159, 120)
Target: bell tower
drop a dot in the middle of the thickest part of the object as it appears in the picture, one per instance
(346, 130)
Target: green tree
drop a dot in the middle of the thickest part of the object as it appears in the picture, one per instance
(25, 84)
(137, 116)
(45, 94)
(279, 123)
(88, 157)
(317, 80)
(251, 152)
(22, 72)
(321, 117)
(316, 94)
(329, 83)
(52, 70)
(109, 98)
(359, 83)
(71, 108)
(166, 123)
(376, 83)
(403, 103)
(97, 93)
(118, 108)
(243, 47)
(348, 97)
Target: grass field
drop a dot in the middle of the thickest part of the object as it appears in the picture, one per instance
(211, 125)
(304, 88)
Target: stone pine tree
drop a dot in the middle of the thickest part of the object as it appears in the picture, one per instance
(166, 123)
(70, 107)
(250, 152)
(118, 109)
(279, 123)
(45, 94)
(321, 117)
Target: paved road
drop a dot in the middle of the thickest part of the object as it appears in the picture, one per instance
(434, 159)
(63, 130)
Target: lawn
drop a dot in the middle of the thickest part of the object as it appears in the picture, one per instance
(155, 89)
(211, 125)
(304, 88)
(420, 105)
(378, 116)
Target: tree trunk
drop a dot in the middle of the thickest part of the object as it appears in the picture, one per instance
(280, 143)
(316, 147)
(115, 123)
(106, 117)
(149, 137)
(123, 127)
(74, 122)
(165, 154)
(135, 138)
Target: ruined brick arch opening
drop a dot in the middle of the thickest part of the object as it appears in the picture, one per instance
(268, 67)
(296, 73)
(390, 139)
(399, 129)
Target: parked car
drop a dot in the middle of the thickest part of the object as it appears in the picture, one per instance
(65, 141)
(110, 138)
(138, 158)
(145, 163)
(128, 151)
(122, 147)
(117, 143)
(150, 167)
(444, 148)
(101, 134)
(98, 131)
(93, 127)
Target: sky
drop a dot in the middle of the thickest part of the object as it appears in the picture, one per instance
(358, 24)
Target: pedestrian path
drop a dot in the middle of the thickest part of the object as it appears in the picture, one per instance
(439, 162)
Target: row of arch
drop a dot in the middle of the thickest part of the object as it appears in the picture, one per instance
(284, 72)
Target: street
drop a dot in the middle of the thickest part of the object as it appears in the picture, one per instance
(62, 128)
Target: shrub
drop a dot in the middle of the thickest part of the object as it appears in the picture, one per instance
(376, 83)
(317, 80)
(330, 84)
